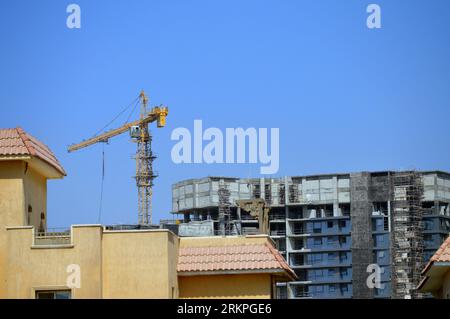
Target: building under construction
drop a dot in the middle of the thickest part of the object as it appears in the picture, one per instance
(331, 227)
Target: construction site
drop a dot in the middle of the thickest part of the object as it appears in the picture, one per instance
(297, 237)
(330, 227)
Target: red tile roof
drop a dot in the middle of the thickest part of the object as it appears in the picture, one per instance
(441, 255)
(16, 142)
(250, 257)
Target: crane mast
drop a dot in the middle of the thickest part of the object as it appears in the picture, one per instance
(140, 133)
(144, 167)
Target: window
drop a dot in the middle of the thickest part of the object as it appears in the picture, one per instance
(332, 240)
(317, 258)
(41, 224)
(332, 288)
(317, 227)
(342, 224)
(319, 289)
(330, 224)
(30, 211)
(54, 294)
(379, 291)
(317, 241)
(378, 240)
(332, 256)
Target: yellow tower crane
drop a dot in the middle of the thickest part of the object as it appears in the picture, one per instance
(140, 134)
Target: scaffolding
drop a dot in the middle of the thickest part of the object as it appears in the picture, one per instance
(282, 193)
(407, 238)
(268, 193)
(225, 226)
(256, 191)
(293, 193)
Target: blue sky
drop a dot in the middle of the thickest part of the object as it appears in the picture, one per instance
(346, 98)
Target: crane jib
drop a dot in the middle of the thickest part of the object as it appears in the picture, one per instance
(157, 114)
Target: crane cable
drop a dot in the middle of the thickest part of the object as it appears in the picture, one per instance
(117, 116)
(101, 187)
(132, 111)
(135, 102)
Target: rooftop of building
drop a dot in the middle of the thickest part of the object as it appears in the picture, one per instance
(231, 254)
(441, 255)
(438, 265)
(310, 176)
(16, 144)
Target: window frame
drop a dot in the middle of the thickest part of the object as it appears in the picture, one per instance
(51, 289)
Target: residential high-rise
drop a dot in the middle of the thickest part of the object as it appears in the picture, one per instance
(335, 230)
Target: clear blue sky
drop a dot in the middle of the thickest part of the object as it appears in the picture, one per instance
(345, 98)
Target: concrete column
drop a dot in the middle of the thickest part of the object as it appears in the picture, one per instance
(305, 212)
(303, 191)
(263, 188)
(335, 197)
(435, 188)
(389, 215)
(286, 191)
(194, 195)
(239, 221)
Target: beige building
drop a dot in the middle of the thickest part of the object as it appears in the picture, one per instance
(90, 261)
(437, 273)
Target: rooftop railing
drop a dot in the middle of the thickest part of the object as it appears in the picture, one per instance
(52, 236)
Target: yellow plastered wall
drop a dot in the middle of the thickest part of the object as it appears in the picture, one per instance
(247, 286)
(35, 190)
(31, 268)
(14, 178)
(113, 264)
(140, 264)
